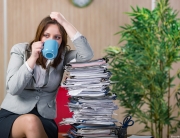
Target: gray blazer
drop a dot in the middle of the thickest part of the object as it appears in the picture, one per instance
(22, 93)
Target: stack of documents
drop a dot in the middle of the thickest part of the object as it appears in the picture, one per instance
(90, 100)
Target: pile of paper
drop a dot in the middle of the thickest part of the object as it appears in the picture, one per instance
(91, 101)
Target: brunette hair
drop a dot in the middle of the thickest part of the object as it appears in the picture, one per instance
(44, 24)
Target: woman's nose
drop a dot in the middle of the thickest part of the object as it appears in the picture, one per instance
(51, 37)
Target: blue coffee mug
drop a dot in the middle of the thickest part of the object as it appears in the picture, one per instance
(50, 49)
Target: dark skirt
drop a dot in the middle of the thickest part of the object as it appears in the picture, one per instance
(7, 119)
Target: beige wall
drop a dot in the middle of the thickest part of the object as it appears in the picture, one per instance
(1, 53)
(98, 22)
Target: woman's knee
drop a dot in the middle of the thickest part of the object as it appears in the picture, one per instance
(26, 124)
(32, 122)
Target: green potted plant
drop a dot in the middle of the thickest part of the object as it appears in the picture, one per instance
(141, 68)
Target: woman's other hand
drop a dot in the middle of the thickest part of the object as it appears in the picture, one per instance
(58, 17)
(70, 29)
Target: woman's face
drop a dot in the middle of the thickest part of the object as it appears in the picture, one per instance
(52, 32)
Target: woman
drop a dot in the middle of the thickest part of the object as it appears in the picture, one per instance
(32, 81)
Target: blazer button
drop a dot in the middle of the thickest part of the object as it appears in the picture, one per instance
(49, 105)
(37, 97)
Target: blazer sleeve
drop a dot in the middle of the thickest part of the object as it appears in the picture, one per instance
(17, 73)
(82, 53)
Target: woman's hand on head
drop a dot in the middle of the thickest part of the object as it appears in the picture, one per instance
(58, 17)
(70, 29)
(36, 49)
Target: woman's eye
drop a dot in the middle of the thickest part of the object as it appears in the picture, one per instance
(57, 37)
(46, 35)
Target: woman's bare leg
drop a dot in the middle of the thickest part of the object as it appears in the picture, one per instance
(28, 126)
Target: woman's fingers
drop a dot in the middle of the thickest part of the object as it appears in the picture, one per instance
(58, 17)
(37, 48)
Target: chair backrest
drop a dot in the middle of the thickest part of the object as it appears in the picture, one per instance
(62, 109)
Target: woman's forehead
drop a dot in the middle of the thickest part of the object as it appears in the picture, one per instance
(52, 28)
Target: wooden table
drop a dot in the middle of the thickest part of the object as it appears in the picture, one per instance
(60, 135)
